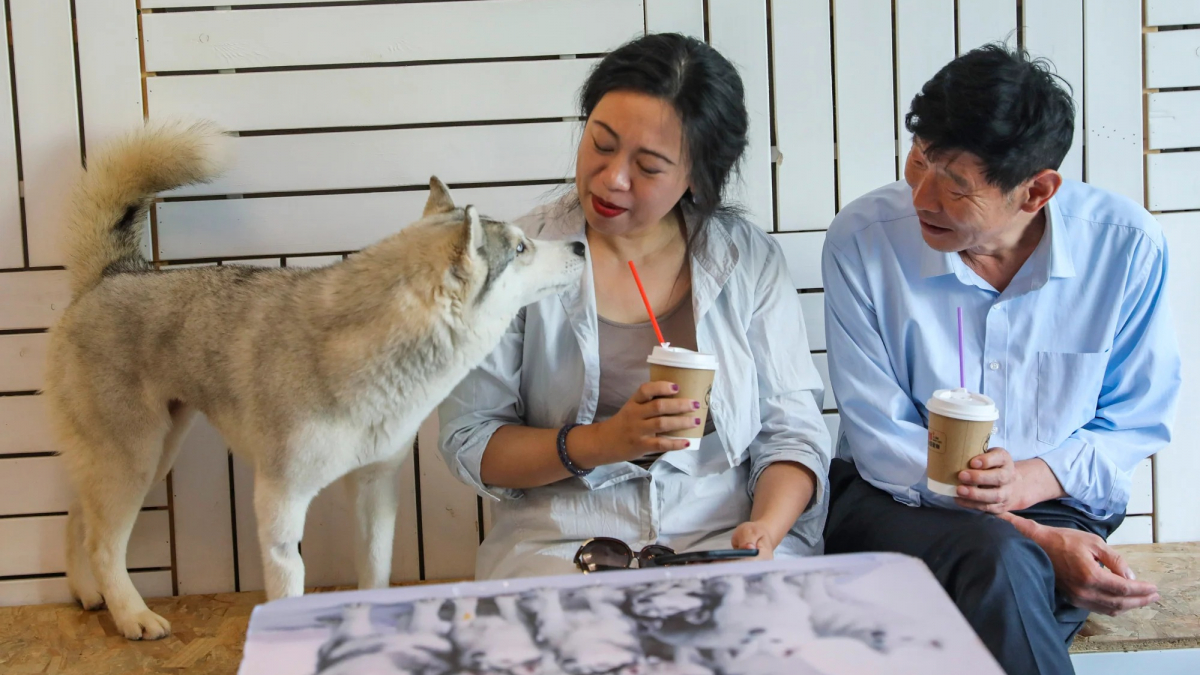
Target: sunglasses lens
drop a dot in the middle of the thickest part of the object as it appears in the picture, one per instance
(654, 550)
(605, 553)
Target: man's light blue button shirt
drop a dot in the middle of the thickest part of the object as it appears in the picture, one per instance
(1078, 352)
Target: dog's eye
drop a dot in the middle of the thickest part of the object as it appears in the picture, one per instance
(520, 248)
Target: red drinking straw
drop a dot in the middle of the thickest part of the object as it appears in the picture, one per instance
(653, 321)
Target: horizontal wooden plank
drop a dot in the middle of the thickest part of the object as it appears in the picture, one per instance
(43, 542)
(39, 485)
(1172, 12)
(1135, 530)
(24, 425)
(208, 4)
(54, 589)
(354, 97)
(22, 361)
(33, 299)
(821, 361)
(1173, 59)
(396, 157)
(1174, 179)
(1141, 494)
(314, 224)
(388, 33)
(813, 307)
(802, 251)
(1173, 119)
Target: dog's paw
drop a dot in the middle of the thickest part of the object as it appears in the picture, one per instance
(144, 625)
(90, 600)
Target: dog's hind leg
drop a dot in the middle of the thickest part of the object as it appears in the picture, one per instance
(80, 579)
(110, 505)
(281, 510)
(373, 491)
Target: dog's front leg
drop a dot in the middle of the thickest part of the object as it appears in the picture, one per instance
(374, 492)
(281, 510)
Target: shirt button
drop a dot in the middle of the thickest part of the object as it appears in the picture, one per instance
(994, 365)
(995, 428)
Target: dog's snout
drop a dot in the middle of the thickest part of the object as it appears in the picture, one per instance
(578, 248)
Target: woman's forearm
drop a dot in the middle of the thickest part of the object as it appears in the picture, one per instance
(520, 457)
(783, 492)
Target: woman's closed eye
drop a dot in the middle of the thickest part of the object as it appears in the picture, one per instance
(650, 171)
(602, 148)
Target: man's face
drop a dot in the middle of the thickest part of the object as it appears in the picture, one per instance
(959, 210)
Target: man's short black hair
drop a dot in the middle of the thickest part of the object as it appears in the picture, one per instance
(1001, 106)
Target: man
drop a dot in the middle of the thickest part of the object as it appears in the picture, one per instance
(1062, 289)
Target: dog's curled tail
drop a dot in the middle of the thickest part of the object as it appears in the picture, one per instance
(116, 190)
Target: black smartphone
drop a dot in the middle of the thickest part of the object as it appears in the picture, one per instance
(700, 557)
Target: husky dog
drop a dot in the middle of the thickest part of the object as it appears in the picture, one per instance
(309, 374)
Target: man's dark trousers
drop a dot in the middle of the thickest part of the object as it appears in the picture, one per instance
(1001, 581)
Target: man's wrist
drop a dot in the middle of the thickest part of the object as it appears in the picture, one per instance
(1043, 485)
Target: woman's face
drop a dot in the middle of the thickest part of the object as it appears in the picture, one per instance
(631, 169)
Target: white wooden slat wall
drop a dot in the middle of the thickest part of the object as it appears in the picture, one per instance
(805, 174)
(1054, 29)
(335, 152)
(738, 28)
(1113, 92)
(676, 16)
(866, 140)
(390, 33)
(984, 21)
(47, 105)
(12, 246)
(1172, 50)
(924, 33)
(1172, 12)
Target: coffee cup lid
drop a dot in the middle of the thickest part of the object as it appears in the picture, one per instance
(961, 404)
(679, 357)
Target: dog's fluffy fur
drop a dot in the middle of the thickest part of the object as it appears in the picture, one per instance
(309, 374)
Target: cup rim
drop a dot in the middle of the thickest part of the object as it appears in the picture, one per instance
(677, 357)
(964, 405)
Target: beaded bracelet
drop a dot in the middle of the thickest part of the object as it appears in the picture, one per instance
(562, 452)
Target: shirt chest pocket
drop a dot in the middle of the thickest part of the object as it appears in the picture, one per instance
(1068, 393)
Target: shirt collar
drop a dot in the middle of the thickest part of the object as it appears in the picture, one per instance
(935, 263)
(713, 249)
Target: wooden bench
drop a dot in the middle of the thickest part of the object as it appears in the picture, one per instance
(208, 630)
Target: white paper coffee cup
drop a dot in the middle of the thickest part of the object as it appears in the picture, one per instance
(960, 427)
(694, 373)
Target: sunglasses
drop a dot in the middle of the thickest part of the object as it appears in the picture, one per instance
(605, 553)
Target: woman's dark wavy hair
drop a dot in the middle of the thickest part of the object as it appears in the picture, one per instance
(706, 92)
(1001, 106)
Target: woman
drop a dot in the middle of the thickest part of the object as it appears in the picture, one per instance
(559, 424)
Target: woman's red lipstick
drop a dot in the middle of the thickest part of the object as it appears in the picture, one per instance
(605, 209)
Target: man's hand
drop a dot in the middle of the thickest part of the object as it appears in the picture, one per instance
(997, 484)
(1087, 570)
(751, 534)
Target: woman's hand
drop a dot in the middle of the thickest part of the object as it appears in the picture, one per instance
(633, 432)
(755, 535)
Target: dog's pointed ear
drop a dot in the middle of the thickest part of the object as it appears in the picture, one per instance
(439, 198)
(474, 236)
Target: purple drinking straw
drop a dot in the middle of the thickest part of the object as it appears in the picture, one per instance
(962, 378)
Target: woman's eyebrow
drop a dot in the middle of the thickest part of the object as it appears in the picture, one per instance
(647, 151)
